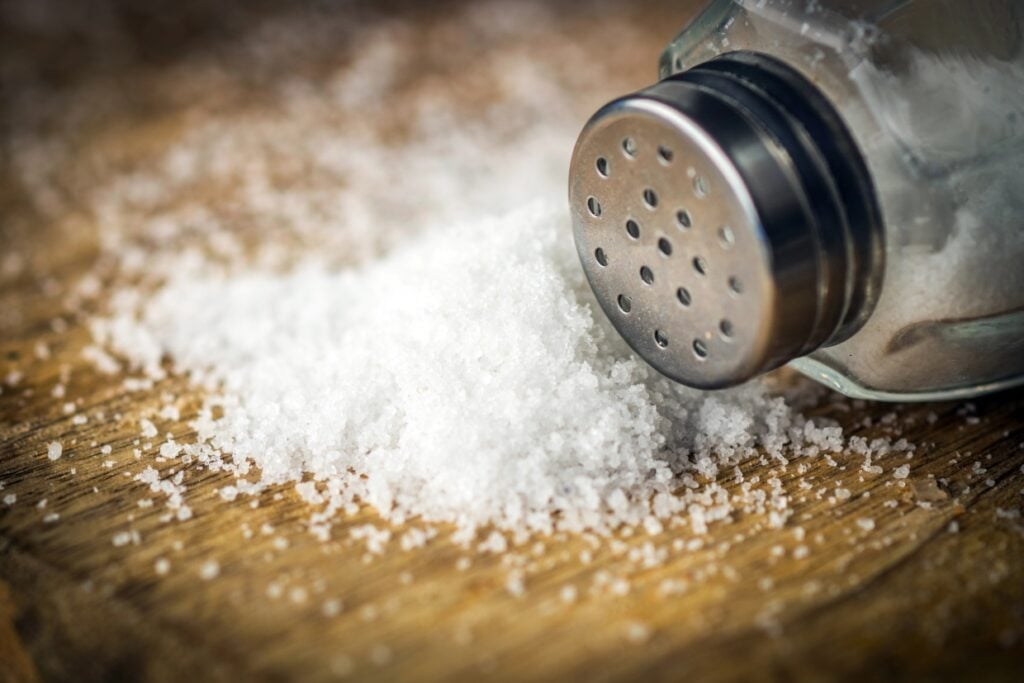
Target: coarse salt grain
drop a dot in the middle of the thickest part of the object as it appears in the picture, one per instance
(54, 450)
(638, 632)
(148, 428)
(866, 523)
(209, 570)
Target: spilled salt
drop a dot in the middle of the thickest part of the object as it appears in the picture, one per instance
(467, 377)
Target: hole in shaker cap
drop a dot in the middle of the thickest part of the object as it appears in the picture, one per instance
(700, 186)
(650, 198)
(665, 154)
(665, 247)
(683, 218)
(600, 256)
(594, 207)
(700, 349)
(735, 285)
(647, 275)
(629, 147)
(725, 327)
(602, 167)
(633, 229)
(660, 339)
(625, 304)
(700, 265)
(726, 236)
(683, 294)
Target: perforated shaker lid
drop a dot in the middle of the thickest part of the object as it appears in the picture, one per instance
(725, 220)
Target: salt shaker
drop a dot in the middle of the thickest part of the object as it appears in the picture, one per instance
(838, 185)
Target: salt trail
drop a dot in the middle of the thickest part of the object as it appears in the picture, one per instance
(466, 377)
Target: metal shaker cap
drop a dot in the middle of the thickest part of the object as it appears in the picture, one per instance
(726, 221)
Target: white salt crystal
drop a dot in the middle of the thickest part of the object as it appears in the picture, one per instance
(170, 412)
(54, 450)
(901, 472)
(638, 632)
(514, 584)
(122, 538)
(495, 543)
(866, 523)
(10, 499)
(102, 360)
(331, 607)
(162, 566)
(51, 518)
(106, 449)
(209, 570)
(148, 428)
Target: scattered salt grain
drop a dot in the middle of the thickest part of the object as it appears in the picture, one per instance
(331, 608)
(10, 499)
(123, 538)
(209, 570)
(866, 523)
(162, 566)
(638, 632)
(54, 450)
(148, 428)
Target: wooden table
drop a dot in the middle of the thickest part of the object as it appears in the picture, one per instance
(934, 591)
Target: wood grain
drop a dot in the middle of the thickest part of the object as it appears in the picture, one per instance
(907, 600)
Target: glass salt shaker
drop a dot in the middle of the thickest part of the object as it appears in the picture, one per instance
(834, 184)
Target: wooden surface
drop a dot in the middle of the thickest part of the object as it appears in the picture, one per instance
(909, 599)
